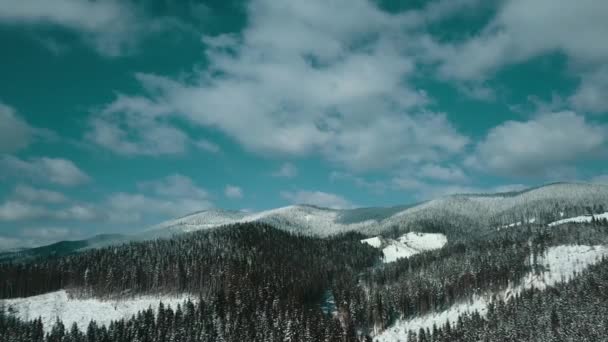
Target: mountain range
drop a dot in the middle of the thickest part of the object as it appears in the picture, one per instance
(460, 215)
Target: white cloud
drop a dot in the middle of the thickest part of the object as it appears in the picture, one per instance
(522, 30)
(171, 196)
(446, 174)
(16, 210)
(525, 29)
(110, 26)
(317, 198)
(207, 146)
(232, 191)
(309, 81)
(539, 146)
(591, 94)
(48, 233)
(136, 126)
(78, 212)
(15, 133)
(30, 194)
(374, 186)
(44, 169)
(20, 210)
(128, 207)
(175, 185)
(287, 170)
(30, 237)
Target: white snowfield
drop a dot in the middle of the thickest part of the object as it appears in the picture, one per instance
(580, 219)
(53, 305)
(485, 209)
(560, 263)
(407, 245)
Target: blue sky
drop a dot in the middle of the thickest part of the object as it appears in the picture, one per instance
(115, 115)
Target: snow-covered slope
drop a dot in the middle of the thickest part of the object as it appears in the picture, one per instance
(580, 219)
(502, 208)
(53, 305)
(301, 218)
(407, 245)
(481, 210)
(559, 263)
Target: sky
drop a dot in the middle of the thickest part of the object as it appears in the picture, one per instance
(116, 115)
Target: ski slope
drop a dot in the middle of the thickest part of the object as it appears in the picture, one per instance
(53, 305)
(406, 245)
(559, 263)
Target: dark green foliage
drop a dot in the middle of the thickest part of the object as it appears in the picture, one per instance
(257, 283)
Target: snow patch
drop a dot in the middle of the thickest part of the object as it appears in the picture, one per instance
(559, 263)
(580, 219)
(407, 245)
(53, 305)
(374, 242)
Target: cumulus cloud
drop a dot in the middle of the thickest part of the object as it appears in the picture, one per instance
(287, 170)
(234, 192)
(15, 133)
(78, 212)
(539, 146)
(136, 126)
(30, 237)
(17, 210)
(442, 173)
(317, 198)
(171, 196)
(175, 185)
(108, 25)
(307, 81)
(521, 30)
(31, 194)
(207, 146)
(376, 186)
(44, 169)
(591, 94)
(49, 233)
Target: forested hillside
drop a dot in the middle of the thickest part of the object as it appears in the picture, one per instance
(253, 282)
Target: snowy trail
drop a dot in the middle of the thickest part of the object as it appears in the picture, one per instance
(561, 263)
(580, 219)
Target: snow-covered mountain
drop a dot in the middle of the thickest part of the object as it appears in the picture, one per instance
(305, 219)
(560, 202)
(474, 210)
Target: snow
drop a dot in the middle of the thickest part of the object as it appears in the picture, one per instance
(298, 218)
(375, 242)
(53, 305)
(395, 251)
(559, 263)
(580, 219)
(407, 245)
(424, 241)
(485, 210)
(517, 224)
